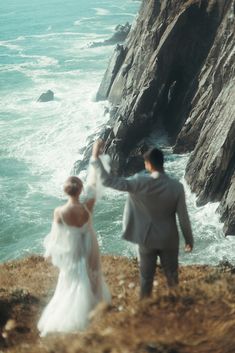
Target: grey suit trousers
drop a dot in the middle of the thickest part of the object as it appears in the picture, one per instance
(148, 263)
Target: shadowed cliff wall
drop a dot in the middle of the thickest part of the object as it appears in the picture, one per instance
(177, 70)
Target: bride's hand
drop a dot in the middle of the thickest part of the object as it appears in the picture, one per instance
(97, 148)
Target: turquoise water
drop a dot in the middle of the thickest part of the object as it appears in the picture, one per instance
(45, 45)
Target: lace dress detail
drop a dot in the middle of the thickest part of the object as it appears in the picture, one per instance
(80, 286)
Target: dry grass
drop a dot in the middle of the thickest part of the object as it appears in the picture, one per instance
(197, 318)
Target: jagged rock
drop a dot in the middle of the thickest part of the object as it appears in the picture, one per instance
(181, 74)
(216, 73)
(210, 129)
(162, 60)
(212, 162)
(111, 72)
(227, 208)
(149, 85)
(47, 96)
(178, 72)
(119, 36)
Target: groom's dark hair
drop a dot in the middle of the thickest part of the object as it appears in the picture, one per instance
(155, 157)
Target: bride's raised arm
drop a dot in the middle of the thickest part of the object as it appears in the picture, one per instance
(93, 186)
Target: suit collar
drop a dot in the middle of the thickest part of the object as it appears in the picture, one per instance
(156, 175)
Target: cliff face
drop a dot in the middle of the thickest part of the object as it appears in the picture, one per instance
(210, 128)
(177, 70)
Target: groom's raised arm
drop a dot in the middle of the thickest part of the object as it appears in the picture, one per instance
(119, 183)
(131, 184)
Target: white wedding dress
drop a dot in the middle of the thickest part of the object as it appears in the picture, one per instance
(80, 285)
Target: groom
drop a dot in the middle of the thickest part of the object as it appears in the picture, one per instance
(149, 219)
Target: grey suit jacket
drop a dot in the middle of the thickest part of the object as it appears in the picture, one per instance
(151, 208)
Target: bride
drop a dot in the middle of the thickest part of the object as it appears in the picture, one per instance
(72, 246)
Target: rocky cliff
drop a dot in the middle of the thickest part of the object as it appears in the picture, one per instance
(177, 70)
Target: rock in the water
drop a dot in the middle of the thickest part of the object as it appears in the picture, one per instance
(47, 96)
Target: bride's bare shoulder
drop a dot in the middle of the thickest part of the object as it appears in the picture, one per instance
(57, 214)
(80, 213)
(72, 215)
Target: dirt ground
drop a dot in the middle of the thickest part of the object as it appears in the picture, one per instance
(197, 318)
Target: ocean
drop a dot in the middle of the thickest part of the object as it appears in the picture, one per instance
(46, 45)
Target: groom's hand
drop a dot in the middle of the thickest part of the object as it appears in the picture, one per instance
(188, 248)
(97, 148)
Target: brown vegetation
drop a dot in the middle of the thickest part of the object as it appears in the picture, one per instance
(198, 318)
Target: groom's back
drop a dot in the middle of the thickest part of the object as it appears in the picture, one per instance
(153, 209)
(159, 195)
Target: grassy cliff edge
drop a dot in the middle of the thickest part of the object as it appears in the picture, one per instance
(198, 318)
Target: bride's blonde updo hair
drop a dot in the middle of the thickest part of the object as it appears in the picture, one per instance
(73, 186)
